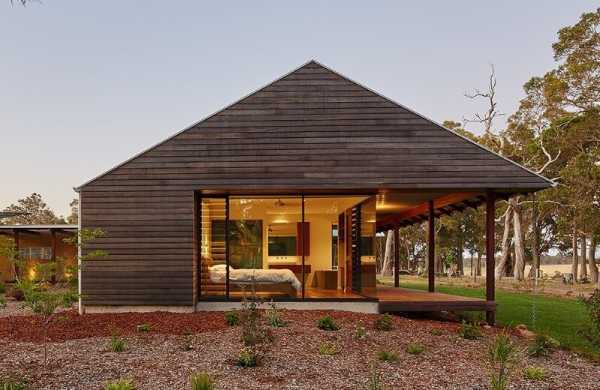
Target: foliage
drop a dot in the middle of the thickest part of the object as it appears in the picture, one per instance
(2, 301)
(202, 381)
(117, 344)
(143, 328)
(327, 323)
(232, 318)
(373, 381)
(256, 337)
(502, 353)
(188, 343)
(592, 306)
(535, 373)
(35, 211)
(12, 384)
(274, 316)
(121, 384)
(247, 358)
(469, 331)
(384, 322)
(387, 356)
(437, 332)
(2, 287)
(542, 345)
(415, 348)
(328, 348)
(360, 332)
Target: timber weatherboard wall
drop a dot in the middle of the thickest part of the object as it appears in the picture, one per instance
(310, 130)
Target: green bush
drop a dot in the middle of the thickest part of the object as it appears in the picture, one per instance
(247, 358)
(328, 348)
(542, 345)
(387, 356)
(469, 331)
(502, 353)
(2, 301)
(143, 328)
(2, 287)
(12, 384)
(121, 384)
(535, 373)
(202, 381)
(232, 318)
(327, 323)
(415, 348)
(273, 316)
(437, 332)
(384, 322)
(592, 305)
(117, 344)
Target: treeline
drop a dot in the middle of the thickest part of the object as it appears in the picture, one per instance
(555, 132)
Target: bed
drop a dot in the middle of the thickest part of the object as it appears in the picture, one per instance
(271, 281)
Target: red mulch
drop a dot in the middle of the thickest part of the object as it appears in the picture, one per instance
(70, 325)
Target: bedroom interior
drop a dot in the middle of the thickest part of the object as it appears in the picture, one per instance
(287, 247)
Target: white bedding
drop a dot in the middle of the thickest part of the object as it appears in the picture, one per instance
(218, 275)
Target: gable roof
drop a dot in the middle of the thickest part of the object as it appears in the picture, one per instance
(330, 132)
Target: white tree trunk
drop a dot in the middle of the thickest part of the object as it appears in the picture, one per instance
(574, 264)
(519, 269)
(583, 270)
(388, 258)
(592, 260)
(501, 266)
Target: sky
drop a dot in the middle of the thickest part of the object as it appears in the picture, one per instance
(84, 85)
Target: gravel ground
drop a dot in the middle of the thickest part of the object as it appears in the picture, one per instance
(159, 360)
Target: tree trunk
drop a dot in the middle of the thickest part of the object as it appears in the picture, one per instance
(388, 257)
(519, 269)
(535, 263)
(501, 266)
(583, 270)
(574, 264)
(461, 260)
(478, 267)
(592, 260)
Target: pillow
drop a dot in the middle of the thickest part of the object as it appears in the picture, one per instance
(220, 268)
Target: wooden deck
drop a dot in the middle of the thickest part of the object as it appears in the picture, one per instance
(392, 299)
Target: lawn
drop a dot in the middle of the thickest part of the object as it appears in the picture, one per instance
(559, 317)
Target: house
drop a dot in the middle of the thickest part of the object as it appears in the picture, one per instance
(38, 244)
(283, 191)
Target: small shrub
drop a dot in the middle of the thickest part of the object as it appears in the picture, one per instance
(384, 322)
(327, 323)
(502, 353)
(121, 384)
(437, 332)
(274, 317)
(535, 373)
(373, 382)
(415, 348)
(117, 344)
(143, 328)
(592, 305)
(2, 301)
(247, 358)
(202, 381)
(361, 332)
(542, 345)
(2, 287)
(232, 318)
(187, 344)
(387, 356)
(469, 331)
(328, 348)
(12, 384)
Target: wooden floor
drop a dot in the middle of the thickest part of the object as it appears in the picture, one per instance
(392, 299)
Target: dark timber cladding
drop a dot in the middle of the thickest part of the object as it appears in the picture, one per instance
(310, 130)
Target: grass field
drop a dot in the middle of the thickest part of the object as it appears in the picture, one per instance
(561, 318)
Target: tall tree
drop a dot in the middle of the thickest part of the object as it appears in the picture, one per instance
(35, 209)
